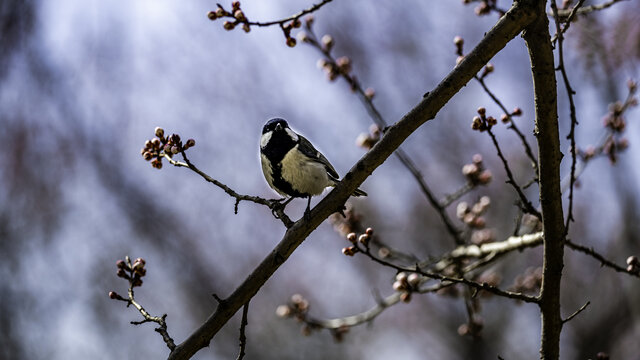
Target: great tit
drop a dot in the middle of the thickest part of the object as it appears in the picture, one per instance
(292, 166)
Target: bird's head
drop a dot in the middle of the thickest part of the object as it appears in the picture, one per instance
(277, 128)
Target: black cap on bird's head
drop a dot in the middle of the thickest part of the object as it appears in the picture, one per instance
(275, 124)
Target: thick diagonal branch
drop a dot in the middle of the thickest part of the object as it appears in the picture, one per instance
(506, 29)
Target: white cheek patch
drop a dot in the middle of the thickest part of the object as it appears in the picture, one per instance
(293, 135)
(264, 139)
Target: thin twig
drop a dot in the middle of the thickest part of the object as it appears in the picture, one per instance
(243, 325)
(512, 125)
(292, 17)
(480, 286)
(274, 205)
(603, 261)
(572, 110)
(582, 308)
(567, 14)
(160, 320)
(449, 199)
(527, 205)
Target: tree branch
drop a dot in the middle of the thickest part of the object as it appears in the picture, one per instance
(510, 25)
(538, 42)
(274, 205)
(243, 325)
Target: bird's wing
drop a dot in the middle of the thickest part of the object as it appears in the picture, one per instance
(307, 148)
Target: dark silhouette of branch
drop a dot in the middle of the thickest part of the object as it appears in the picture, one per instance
(292, 17)
(603, 261)
(527, 206)
(538, 41)
(243, 325)
(577, 10)
(507, 27)
(582, 308)
(572, 108)
(274, 205)
(134, 273)
(449, 199)
(416, 269)
(512, 124)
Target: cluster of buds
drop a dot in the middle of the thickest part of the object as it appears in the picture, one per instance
(613, 146)
(236, 17)
(341, 66)
(472, 215)
(633, 265)
(286, 30)
(406, 284)
(507, 118)
(367, 141)
(296, 308)
(131, 272)
(475, 172)
(354, 239)
(530, 281)
(160, 146)
(483, 122)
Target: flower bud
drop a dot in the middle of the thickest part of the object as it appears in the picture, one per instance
(291, 42)
(159, 132)
(632, 260)
(283, 311)
(413, 279)
(405, 297)
(175, 149)
(212, 15)
(462, 209)
(369, 93)
(327, 42)
(504, 118)
(399, 286)
(401, 276)
(517, 112)
(190, 143)
(239, 15)
(309, 20)
(228, 25)
(351, 237)
(303, 36)
(363, 239)
(220, 12)
(458, 41)
(482, 111)
(369, 231)
(246, 27)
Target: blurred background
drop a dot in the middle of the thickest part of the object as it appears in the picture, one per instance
(83, 85)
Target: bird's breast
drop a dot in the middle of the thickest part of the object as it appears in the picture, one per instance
(305, 176)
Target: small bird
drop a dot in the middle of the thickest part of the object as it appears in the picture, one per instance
(292, 166)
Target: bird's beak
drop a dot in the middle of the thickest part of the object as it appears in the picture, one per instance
(278, 127)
